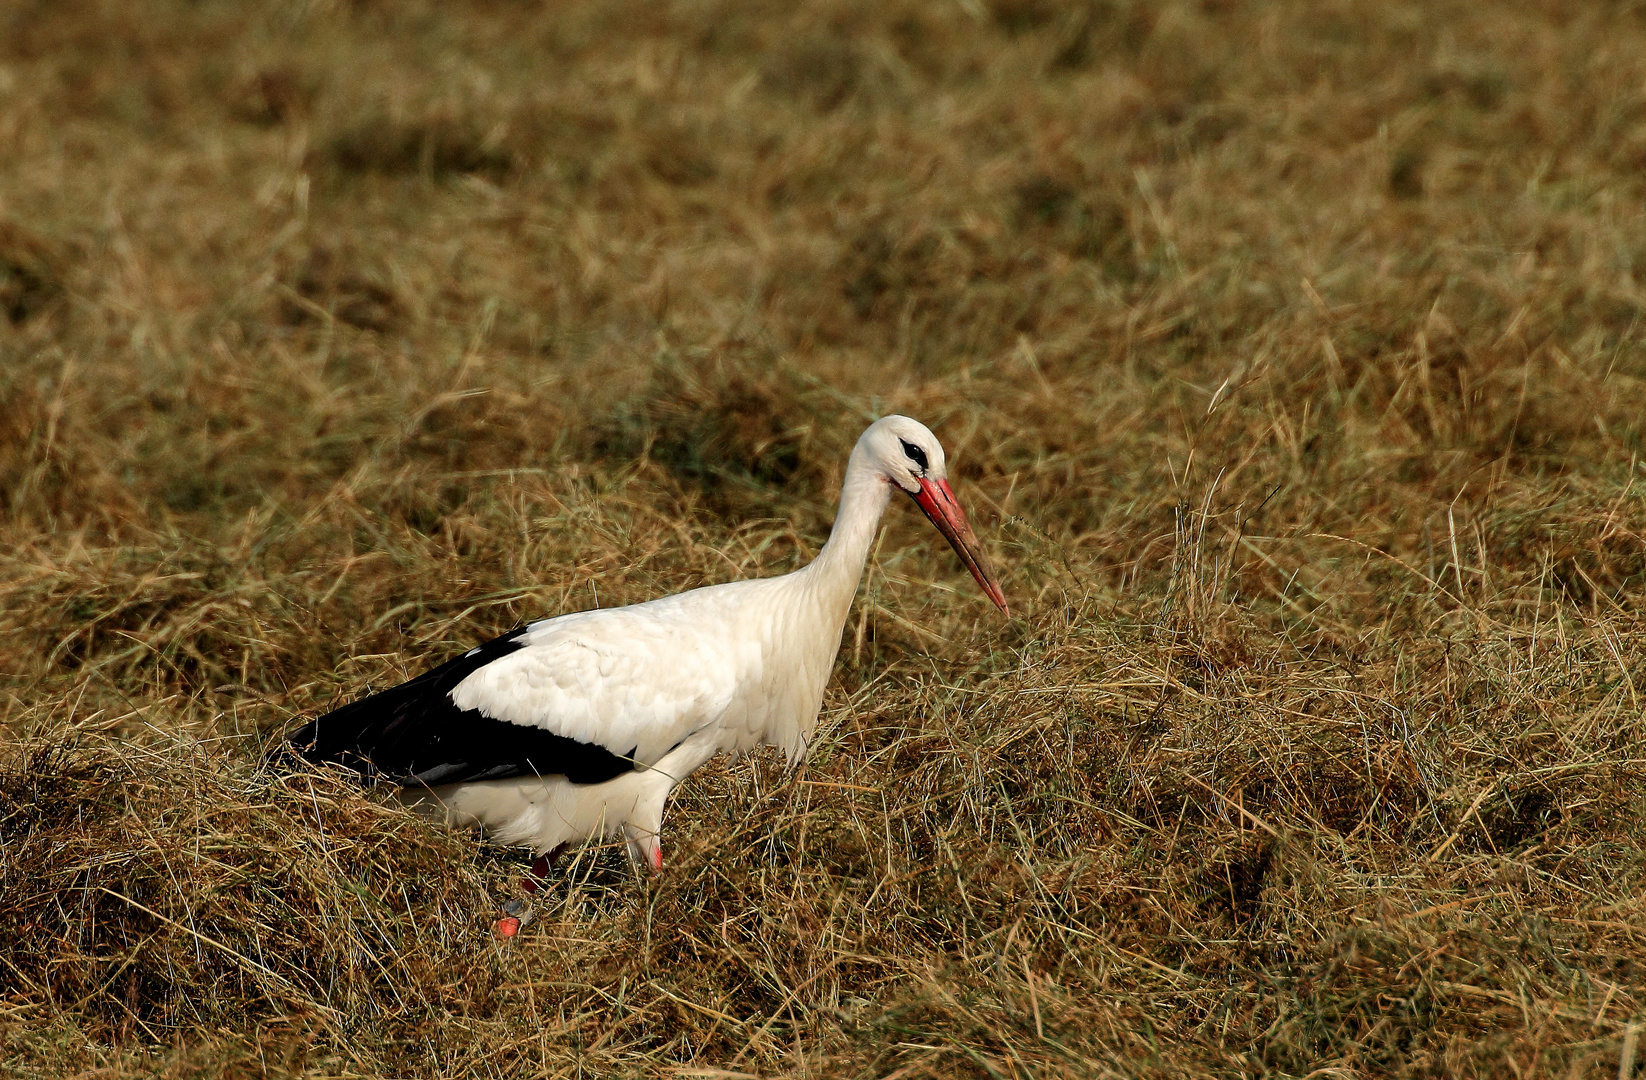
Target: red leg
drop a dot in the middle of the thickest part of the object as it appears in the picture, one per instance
(515, 913)
(539, 872)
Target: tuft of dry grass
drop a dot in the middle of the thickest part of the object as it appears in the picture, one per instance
(1289, 355)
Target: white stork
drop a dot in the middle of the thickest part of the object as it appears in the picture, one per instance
(580, 726)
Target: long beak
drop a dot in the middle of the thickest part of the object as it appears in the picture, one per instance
(937, 499)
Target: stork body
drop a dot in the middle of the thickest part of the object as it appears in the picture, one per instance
(580, 726)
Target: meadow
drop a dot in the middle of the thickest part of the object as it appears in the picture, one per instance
(1290, 364)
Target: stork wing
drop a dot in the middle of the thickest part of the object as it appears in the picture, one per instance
(634, 680)
(414, 734)
(586, 696)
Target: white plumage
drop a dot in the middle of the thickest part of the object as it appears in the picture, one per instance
(580, 726)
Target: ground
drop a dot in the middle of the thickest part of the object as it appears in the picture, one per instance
(1289, 359)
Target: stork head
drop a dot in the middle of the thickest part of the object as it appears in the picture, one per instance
(907, 455)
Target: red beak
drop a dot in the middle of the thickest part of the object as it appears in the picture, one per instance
(937, 499)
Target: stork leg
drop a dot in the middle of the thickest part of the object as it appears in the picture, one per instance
(538, 875)
(515, 912)
(645, 846)
(644, 826)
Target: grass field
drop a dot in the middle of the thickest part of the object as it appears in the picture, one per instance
(1290, 362)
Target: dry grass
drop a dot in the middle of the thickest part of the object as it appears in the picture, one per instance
(1290, 358)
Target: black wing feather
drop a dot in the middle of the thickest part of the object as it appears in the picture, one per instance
(414, 735)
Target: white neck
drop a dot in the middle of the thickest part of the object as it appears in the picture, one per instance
(832, 577)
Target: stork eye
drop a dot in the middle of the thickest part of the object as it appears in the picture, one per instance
(916, 455)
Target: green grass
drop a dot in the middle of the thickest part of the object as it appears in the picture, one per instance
(1289, 360)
